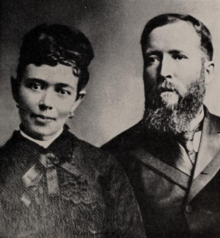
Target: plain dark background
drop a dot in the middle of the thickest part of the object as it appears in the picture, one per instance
(115, 96)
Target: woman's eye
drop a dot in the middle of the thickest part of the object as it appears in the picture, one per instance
(63, 92)
(179, 57)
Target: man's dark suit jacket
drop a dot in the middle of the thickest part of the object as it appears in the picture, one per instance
(94, 199)
(173, 204)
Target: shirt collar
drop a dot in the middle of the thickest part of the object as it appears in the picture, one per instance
(194, 123)
(197, 120)
(44, 144)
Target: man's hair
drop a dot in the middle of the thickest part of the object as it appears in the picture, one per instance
(164, 19)
(53, 44)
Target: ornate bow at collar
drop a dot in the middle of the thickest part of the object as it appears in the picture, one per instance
(47, 164)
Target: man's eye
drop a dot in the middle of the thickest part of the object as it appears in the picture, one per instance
(179, 57)
(35, 86)
(152, 59)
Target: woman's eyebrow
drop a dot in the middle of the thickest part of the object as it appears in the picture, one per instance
(36, 80)
(64, 85)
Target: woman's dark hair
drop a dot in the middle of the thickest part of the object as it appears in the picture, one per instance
(164, 19)
(53, 44)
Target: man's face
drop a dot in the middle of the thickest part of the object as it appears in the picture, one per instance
(174, 76)
(173, 61)
(47, 96)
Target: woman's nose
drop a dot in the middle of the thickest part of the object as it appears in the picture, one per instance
(47, 100)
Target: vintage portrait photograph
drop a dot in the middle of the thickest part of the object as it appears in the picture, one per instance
(109, 119)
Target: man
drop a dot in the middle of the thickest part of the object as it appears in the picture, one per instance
(172, 156)
(53, 184)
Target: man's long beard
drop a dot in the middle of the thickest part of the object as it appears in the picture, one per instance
(174, 119)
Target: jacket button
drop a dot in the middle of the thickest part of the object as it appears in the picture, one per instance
(189, 209)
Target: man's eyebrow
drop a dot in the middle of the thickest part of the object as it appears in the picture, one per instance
(176, 52)
(152, 52)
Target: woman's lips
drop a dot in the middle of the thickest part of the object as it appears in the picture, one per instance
(43, 118)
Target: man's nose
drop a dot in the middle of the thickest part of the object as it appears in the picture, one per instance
(166, 71)
(47, 100)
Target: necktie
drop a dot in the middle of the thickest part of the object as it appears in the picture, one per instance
(186, 139)
(187, 142)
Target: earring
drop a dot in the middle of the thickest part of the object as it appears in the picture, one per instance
(17, 105)
(71, 115)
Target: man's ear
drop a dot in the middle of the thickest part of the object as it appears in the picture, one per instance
(15, 88)
(209, 70)
(79, 99)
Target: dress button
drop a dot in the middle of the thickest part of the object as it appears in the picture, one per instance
(92, 229)
(189, 209)
(50, 156)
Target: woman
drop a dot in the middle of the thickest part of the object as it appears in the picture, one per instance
(52, 183)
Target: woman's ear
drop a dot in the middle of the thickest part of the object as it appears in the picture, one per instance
(15, 88)
(79, 99)
(81, 94)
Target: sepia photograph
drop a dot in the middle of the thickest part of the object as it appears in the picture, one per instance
(110, 119)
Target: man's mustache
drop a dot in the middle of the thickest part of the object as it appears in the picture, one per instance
(167, 86)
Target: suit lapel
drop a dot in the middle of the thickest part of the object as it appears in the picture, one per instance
(163, 153)
(210, 143)
(208, 160)
(167, 171)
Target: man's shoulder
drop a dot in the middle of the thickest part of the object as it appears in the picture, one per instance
(91, 155)
(126, 140)
(214, 120)
(84, 147)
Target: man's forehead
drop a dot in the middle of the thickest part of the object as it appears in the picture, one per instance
(179, 35)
